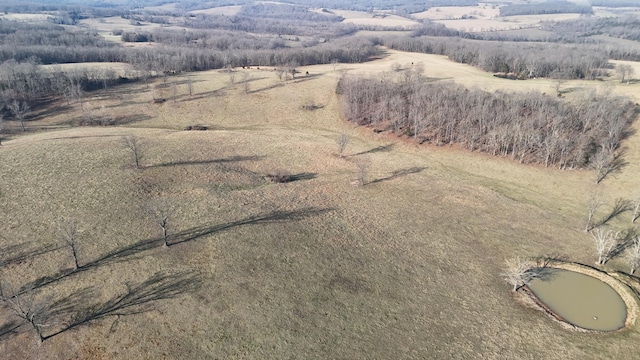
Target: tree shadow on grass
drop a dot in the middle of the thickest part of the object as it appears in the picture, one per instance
(205, 162)
(16, 254)
(136, 250)
(277, 216)
(136, 299)
(80, 308)
(9, 329)
(399, 173)
(381, 148)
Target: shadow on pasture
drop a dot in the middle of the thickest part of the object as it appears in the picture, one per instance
(139, 249)
(16, 254)
(205, 162)
(399, 173)
(55, 317)
(377, 149)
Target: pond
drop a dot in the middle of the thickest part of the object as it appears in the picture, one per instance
(580, 299)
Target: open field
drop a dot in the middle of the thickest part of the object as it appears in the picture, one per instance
(406, 266)
(481, 11)
(106, 27)
(377, 19)
(222, 10)
(504, 23)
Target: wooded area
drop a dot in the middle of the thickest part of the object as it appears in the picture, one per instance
(529, 127)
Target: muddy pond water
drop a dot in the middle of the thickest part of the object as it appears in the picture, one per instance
(580, 299)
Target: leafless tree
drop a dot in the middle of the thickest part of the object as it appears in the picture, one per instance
(519, 272)
(107, 76)
(362, 164)
(606, 241)
(343, 141)
(161, 210)
(624, 72)
(26, 307)
(76, 92)
(619, 206)
(189, 79)
(558, 85)
(593, 205)
(246, 79)
(2, 125)
(232, 75)
(280, 72)
(335, 63)
(607, 162)
(636, 209)
(133, 143)
(633, 255)
(69, 234)
(20, 109)
(174, 88)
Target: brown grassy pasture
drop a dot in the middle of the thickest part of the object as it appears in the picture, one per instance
(481, 11)
(406, 266)
(106, 27)
(222, 10)
(375, 19)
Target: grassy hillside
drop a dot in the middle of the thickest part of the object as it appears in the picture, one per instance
(406, 266)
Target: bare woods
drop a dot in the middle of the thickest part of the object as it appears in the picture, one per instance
(529, 127)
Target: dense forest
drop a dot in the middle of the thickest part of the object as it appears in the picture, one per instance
(528, 127)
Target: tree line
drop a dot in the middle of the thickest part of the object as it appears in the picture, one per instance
(547, 7)
(524, 60)
(528, 127)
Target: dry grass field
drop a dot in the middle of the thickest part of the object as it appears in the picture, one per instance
(222, 10)
(374, 19)
(481, 11)
(407, 266)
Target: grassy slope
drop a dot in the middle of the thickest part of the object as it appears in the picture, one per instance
(406, 267)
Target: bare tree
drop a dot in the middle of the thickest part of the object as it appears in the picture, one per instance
(69, 234)
(20, 110)
(246, 79)
(189, 84)
(335, 63)
(25, 307)
(636, 209)
(232, 75)
(174, 87)
(160, 210)
(624, 72)
(2, 125)
(75, 91)
(558, 85)
(132, 142)
(633, 255)
(607, 162)
(343, 141)
(606, 241)
(362, 164)
(593, 205)
(519, 272)
(280, 72)
(619, 206)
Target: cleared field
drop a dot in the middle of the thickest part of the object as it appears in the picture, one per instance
(222, 10)
(504, 23)
(378, 19)
(481, 11)
(106, 27)
(121, 69)
(314, 268)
